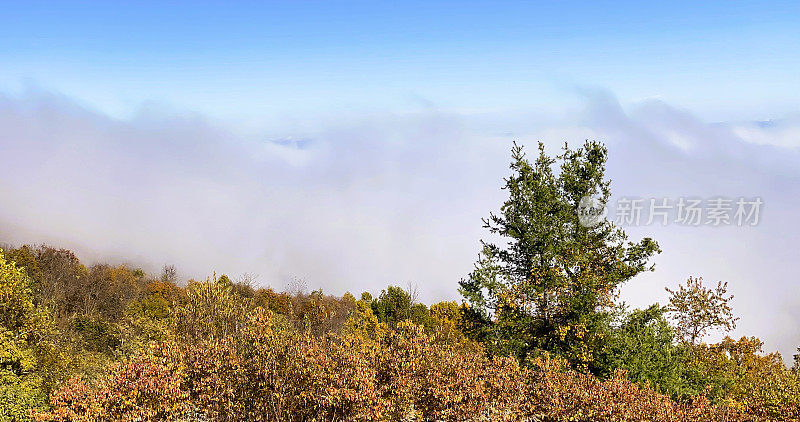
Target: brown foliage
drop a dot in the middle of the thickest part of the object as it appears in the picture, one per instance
(253, 365)
(698, 308)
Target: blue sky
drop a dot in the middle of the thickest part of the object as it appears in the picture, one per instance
(357, 144)
(725, 60)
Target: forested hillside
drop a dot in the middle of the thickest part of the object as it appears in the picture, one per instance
(539, 334)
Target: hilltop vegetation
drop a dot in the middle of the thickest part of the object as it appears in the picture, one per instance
(539, 336)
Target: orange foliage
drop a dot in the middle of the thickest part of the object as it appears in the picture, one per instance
(146, 388)
(270, 370)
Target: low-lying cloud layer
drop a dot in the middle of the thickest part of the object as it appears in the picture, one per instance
(358, 203)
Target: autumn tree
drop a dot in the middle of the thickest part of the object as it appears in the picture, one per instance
(547, 285)
(59, 280)
(30, 359)
(739, 374)
(447, 320)
(698, 309)
(24, 257)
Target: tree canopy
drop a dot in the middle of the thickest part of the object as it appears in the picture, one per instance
(548, 281)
